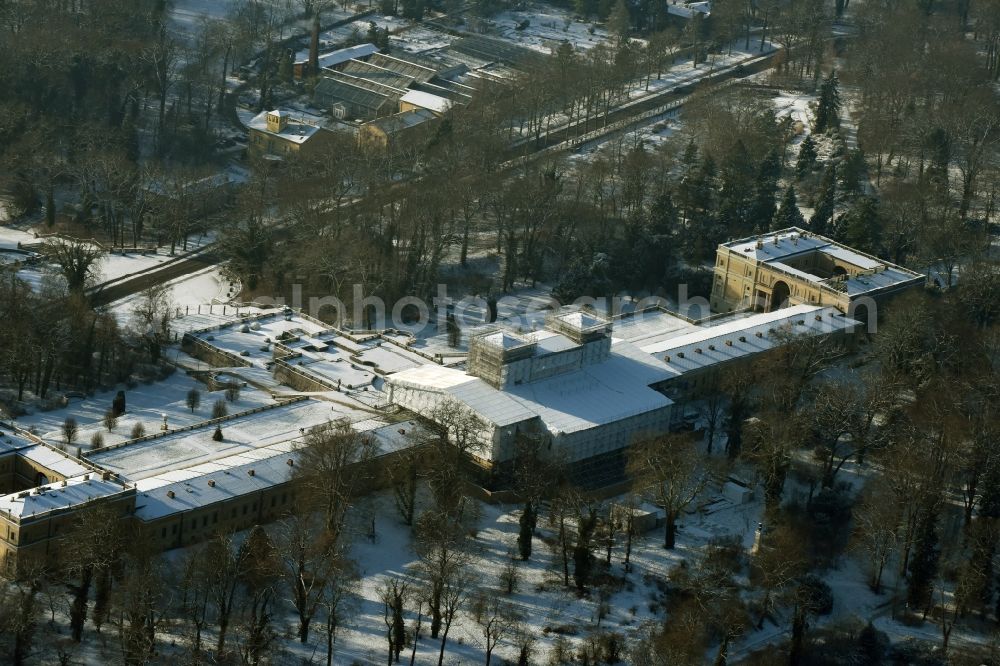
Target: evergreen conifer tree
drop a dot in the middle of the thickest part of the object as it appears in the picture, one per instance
(923, 566)
(788, 214)
(807, 157)
(828, 109)
(861, 227)
(766, 183)
(823, 216)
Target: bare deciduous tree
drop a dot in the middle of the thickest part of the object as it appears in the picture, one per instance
(672, 472)
(329, 470)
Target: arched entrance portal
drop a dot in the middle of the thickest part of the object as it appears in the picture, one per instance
(779, 295)
(861, 313)
(41, 479)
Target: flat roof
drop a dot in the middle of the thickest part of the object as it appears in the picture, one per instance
(549, 342)
(592, 395)
(505, 339)
(230, 477)
(739, 337)
(243, 434)
(49, 458)
(56, 496)
(298, 130)
(777, 246)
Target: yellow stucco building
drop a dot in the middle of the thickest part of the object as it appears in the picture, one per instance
(794, 266)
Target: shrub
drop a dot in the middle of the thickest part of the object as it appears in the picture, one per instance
(217, 435)
(110, 420)
(138, 430)
(96, 441)
(233, 391)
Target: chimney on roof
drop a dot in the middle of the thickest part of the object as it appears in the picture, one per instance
(211, 483)
(314, 46)
(290, 462)
(170, 494)
(760, 243)
(250, 472)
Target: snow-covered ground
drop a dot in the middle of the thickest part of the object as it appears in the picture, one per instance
(359, 29)
(546, 27)
(112, 266)
(188, 296)
(419, 39)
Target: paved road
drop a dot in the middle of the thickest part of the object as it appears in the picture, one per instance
(171, 271)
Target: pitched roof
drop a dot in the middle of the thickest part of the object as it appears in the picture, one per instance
(427, 100)
(333, 58)
(376, 74)
(399, 122)
(331, 90)
(412, 70)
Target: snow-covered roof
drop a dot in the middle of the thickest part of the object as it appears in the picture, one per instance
(743, 337)
(247, 472)
(243, 434)
(778, 245)
(689, 9)
(495, 406)
(549, 342)
(426, 100)
(580, 320)
(592, 395)
(299, 128)
(596, 394)
(891, 276)
(399, 122)
(78, 490)
(505, 339)
(56, 461)
(333, 58)
(776, 248)
(11, 442)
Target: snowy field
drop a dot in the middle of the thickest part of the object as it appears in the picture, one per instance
(547, 27)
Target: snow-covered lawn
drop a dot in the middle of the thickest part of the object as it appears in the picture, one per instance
(189, 295)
